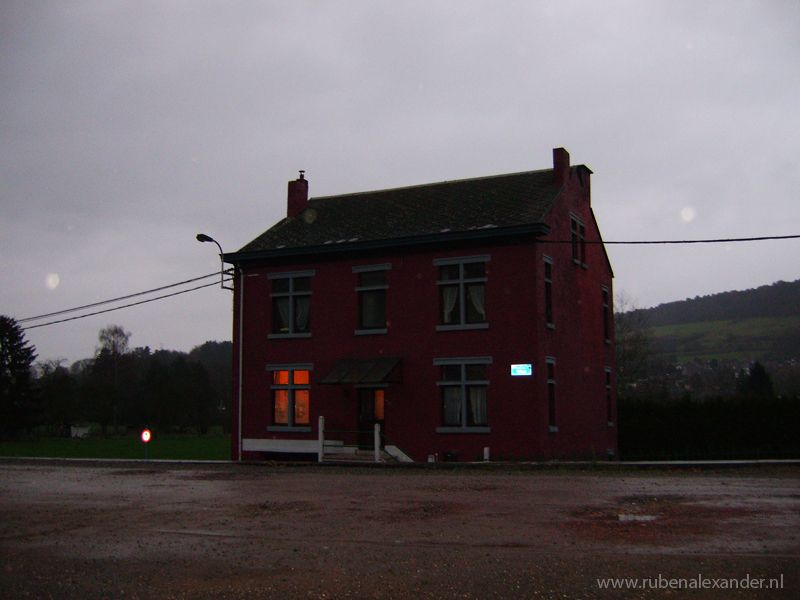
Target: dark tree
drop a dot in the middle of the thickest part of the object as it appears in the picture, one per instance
(18, 405)
(107, 397)
(757, 383)
(632, 343)
(57, 391)
(216, 357)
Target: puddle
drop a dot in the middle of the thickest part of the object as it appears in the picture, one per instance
(623, 518)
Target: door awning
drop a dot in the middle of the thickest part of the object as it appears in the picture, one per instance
(364, 371)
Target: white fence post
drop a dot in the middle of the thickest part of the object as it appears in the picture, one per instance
(321, 431)
(377, 439)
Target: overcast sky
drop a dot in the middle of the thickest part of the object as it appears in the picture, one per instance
(128, 127)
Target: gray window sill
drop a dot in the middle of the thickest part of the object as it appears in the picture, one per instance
(287, 336)
(286, 429)
(370, 331)
(611, 423)
(463, 327)
(463, 430)
(551, 325)
(553, 429)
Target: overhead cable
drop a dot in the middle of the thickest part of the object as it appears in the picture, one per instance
(705, 241)
(100, 312)
(102, 302)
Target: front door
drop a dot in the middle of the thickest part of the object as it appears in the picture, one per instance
(370, 411)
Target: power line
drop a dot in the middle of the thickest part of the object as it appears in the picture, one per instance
(164, 287)
(705, 241)
(100, 312)
(102, 302)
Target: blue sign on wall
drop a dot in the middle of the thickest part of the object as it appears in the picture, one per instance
(525, 370)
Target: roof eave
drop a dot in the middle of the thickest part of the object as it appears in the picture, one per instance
(535, 230)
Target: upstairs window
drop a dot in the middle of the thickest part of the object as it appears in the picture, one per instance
(609, 399)
(548, 291)
(463, 384)
(290, 397)
(291, 304)
(371, 289)
(578, 240)
(462, 292)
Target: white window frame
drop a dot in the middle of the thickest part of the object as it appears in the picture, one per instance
(462, 283)
(291, 294)
(357, 270)
(290, 387)
(464, 384)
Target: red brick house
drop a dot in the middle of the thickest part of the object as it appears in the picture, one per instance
(467, 318)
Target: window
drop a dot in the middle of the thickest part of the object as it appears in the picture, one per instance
(606, 316)
(609, 399)
(462, 387)
(371, 289)
(578, 239)
(290, 397)
(291, 304)
(548, 291)
(551, 393)
(462, 292)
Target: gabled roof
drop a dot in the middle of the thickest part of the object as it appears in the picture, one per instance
(483, 207)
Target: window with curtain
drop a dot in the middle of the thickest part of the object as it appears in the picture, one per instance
(371, 289)
(291, 303)
(462, 292)
(463, 387)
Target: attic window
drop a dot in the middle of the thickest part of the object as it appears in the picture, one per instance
(578, 240)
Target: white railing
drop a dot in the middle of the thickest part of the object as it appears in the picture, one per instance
(376, 440)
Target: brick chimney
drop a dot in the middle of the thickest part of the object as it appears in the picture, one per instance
(297, 196)
(560, 166)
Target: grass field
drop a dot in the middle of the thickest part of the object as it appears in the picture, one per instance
(761, 339)
(177, 447)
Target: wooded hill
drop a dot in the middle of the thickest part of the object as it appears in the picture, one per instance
(757, 324)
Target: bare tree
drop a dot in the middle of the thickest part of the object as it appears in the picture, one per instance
(632, 341)
(113, 345)
(114, 340)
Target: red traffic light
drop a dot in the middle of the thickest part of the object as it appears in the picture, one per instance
(146, 435)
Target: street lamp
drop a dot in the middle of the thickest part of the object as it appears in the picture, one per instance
(202, 237)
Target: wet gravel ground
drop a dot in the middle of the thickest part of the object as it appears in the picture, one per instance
(254, 531)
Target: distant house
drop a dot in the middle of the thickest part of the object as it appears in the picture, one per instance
(468, 318)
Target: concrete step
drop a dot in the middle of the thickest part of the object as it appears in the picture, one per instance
(357, 456)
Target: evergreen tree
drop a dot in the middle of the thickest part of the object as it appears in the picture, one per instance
(18, 407)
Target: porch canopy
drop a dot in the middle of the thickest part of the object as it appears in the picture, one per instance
(364, 371)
